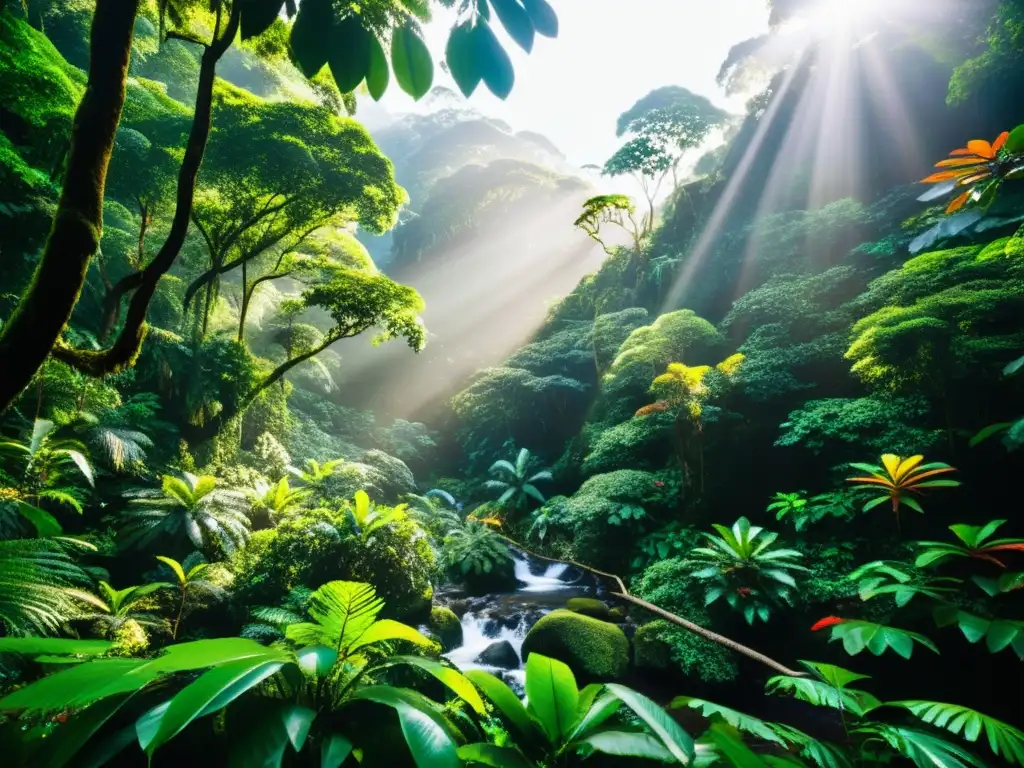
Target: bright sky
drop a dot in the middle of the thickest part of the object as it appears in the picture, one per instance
(608, 54)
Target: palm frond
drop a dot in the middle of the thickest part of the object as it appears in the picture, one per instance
(1004, 740)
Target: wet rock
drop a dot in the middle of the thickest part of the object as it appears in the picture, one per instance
(500, 654)
(491, 628)
(477, 604)
(511, 622)
(459, 607)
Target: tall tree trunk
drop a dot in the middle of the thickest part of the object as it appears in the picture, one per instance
(245, 302)
(39, 319)
(122, 353)
(143, 225)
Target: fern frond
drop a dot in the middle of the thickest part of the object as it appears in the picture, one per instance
(342, 611)
(1003, 739)
(35, 578)
(278, 618)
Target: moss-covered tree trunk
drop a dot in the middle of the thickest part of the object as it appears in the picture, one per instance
(142, 285)
(40, 317)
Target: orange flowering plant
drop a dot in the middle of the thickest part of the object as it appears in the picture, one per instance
(977, 170)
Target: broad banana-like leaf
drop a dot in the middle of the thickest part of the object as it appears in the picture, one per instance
(507, 703)
(552, 695)
(426, 732)
(675, 739)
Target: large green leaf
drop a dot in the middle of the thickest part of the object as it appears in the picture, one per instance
(998, 634)
(496, 757)
(453, 679)
(258, 15)
(552, 695)
(379, 74)
(877, 638)
(33, 646)
(506, 701)
(212, 691)
(1015, 143)
(628, 744)
(516, 21)
(494, 66)
(425, 730)
(175, 566)
(77, 686)
(675, 739)
(460, 54)
(349, 58)
(297, 721)
(596, 715)
(543, 16)
(94, 680)
(317, 660)
(388, 629)
(925, 750)
(410, 58)
(64, 743)
(334, 749)
(44, 523)
(311, 36)
(730, 746)
(1004, 740)
(258, 735)
(824, 693)
(739, 720)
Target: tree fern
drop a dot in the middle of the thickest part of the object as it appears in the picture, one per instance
(36, 579)
(474, 547)
(1004, 740)
(193, 506)
(514, 482)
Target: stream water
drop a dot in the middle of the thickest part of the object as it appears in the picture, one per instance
(508, 616)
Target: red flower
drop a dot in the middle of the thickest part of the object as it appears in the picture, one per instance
(658, 484)
(744, 591)
(828, 621)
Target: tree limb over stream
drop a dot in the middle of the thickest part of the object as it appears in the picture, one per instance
(707, 634)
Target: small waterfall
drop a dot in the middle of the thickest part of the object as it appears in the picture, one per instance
(509, 617)
(475, 641)
(545, 583)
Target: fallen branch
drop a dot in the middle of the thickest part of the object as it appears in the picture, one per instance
(679, 621)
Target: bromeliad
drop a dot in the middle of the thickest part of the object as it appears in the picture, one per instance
(898, 477)
(975, 543)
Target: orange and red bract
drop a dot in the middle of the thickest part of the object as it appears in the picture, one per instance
(971, 165)
(828, 621)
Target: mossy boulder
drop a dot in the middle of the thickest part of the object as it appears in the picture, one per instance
(595, 650)
(588, 606)
(446, 627)
(617, 614)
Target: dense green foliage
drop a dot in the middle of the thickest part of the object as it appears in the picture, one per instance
(233, 529)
